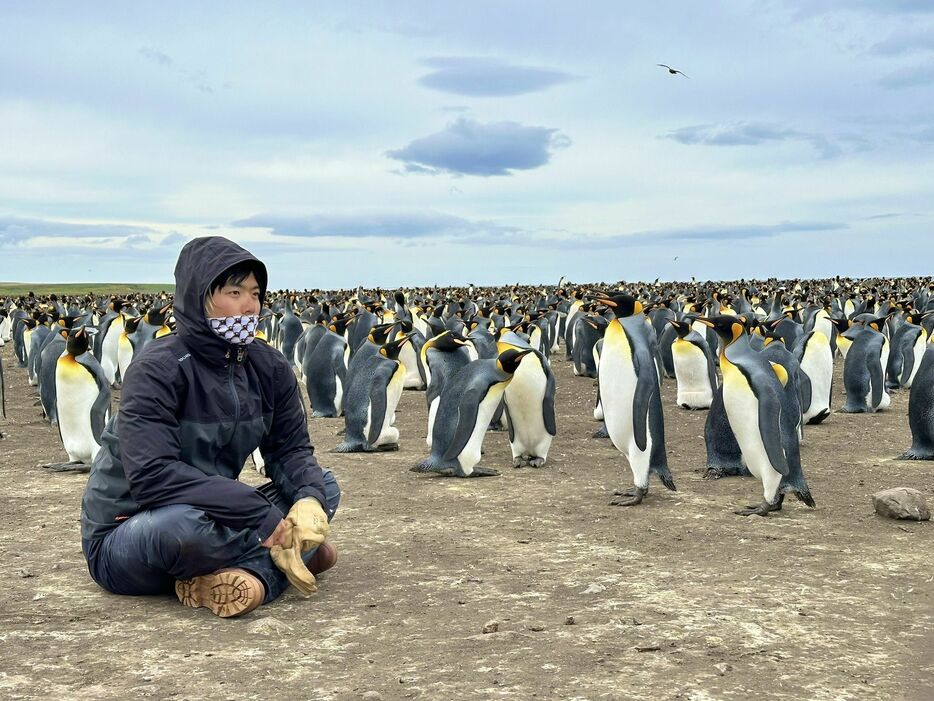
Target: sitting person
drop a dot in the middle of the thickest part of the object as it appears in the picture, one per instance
(163, 508)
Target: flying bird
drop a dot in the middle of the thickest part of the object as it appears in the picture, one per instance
(670, 69)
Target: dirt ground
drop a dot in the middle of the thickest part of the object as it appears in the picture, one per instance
(674, 599)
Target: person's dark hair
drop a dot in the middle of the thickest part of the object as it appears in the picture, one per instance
(234, 275)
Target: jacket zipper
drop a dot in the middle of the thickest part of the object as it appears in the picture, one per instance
(233, 388)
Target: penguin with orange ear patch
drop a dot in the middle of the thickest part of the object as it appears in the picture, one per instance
(82, 392)
(631, 397)
(767, 435)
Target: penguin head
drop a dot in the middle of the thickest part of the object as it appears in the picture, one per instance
(391, 349)
(380, 333)
(339, 324)
(683, 328)
(76, 341)
(879, 322)
(842, 323)
(448, 341)
(621, 304)
(132, 323)
(508, 361)
(728, 328)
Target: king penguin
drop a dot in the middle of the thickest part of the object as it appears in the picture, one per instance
(694, 368)
(372, 396)
(326, 373)
(815, 364)
(466, 406)
(630, 396)
(442, 356)
(921, 410)
(530, 405)
(752, 397)
(864, 368)
(908, 344)
(82, 402)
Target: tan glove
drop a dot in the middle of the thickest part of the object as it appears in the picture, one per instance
(289, 560)
(310, 523)
(307, 527)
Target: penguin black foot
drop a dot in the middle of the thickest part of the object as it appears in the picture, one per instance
(912, 454)
(713, 473)
(520, 462)
(601, 433)
(633, 496)
(498, 427)
(536, 462)
(387, 447)
(763, 509)
(814, 420)
(481, 472)
(73, 466)
(346, 447)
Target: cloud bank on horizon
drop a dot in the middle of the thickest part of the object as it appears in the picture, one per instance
(427, 143)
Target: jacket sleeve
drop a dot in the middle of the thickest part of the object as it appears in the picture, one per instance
(286, 448)
(150, 446)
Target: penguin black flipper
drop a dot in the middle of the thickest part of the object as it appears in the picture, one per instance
(378, 387)
(645, 388)
(877, 382)
(467, 410)
(770, 410)
(804, 389)
(548, 406)
(511, 428)
(100, 409)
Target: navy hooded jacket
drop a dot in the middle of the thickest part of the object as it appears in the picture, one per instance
(193, 407)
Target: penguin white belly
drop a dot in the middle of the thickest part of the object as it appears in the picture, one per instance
(742, 409)
(389, 434)
(338, 395)
(817, 364)
(886, 400)
(124, 354)
(598, 411)
(843, 345)
(919, 355)
(470, 455)
(617, 390)
(432, 413)
(258, 462)
(413, 379)
(692, 375)
(76, 392)
(109, 348)
(525, 396)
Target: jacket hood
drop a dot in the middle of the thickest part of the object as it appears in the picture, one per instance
(199, 263)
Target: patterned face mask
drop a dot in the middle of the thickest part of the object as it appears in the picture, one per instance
(238, 330)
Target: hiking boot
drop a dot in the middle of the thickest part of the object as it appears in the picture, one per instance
(228, 593)
(324, 558)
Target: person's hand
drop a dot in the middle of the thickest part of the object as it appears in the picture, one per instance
(288, 558)
(278, 536)
(310, 523)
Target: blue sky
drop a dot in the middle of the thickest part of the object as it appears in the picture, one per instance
(414, 143)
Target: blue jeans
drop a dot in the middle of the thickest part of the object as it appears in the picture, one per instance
(149, 551)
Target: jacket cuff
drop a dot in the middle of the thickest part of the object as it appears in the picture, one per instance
(269, 523)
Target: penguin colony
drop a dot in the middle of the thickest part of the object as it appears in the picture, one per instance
(758, 356)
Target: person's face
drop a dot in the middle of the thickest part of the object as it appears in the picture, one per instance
(236, 300)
